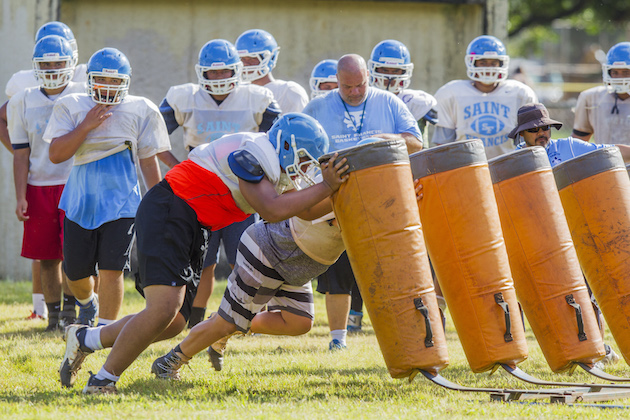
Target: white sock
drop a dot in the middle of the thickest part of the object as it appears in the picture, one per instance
(84, 302)
(93, 338)
(39, 305)
(339, 335)
(103, 374)
(103, 322)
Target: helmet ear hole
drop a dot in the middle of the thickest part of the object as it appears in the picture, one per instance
(287, 146)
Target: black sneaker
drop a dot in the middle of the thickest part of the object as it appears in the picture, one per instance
(67, 318)
(76, 351)
(168, 366)
(99, 386)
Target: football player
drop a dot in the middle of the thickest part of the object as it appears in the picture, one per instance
(38, 182)
(390, 69)
(485, 106)
(107, 131)
(323, 78)
(602, 112)
(259, 53)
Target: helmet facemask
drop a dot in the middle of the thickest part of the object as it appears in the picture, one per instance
(108, 94)
(260, 70)
(487, 75)
(617, 85)
(219, 86)
(51, 78)
(391, 82)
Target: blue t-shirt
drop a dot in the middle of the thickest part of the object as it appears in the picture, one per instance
(381, 112)
(560, 150)
(102, 191)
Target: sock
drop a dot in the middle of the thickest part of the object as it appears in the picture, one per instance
(53, 311)
(178, 349)
(103, 374)
(84, 302)
(69, 303)
(103, 322)
(339, 335)
(92, 338)
(39, 305)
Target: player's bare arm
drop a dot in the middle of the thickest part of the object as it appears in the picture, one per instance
(64, 147)
(581, 135)
(272, 207)
(20, 177)
(168, 158)
(150, 171)
(414, 144)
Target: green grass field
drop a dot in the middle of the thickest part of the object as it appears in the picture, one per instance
(264, 377)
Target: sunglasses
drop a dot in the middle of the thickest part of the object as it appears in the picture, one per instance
(535, 129)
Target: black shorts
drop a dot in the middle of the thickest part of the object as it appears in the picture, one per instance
(107, 247)
(171, 242)
(338, 279)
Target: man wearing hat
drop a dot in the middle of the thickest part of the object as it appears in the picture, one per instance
(534, 129)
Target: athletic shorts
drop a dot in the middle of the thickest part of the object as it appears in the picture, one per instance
(229, 235)
(338, 279)
(171, 242)
(254, 284)
(43, 231)
(107, 247)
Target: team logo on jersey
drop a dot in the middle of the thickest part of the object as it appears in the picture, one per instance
(353, 120)
(487, 125)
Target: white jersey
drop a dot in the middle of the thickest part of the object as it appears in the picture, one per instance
(26, 78)
(419, 103)
(136, 123)
(290, 96)
(27, 113)
(486, 116)
(203, 120)
(214, 158)
(603, 115)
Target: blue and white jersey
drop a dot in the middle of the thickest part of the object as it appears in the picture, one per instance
(203, 120)
(381, 112)
(103, 183)
(477, 115)
(561, 150)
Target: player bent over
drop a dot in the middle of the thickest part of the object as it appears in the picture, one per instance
(220, 183)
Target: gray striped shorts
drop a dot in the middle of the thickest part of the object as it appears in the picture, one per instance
(254, 283)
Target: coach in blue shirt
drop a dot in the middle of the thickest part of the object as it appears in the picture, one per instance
(534, 129)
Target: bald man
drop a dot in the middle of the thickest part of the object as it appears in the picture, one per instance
(353, 112)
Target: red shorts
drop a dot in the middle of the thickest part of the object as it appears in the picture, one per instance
(43, 231)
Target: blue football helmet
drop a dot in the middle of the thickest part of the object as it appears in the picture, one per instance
(108, 62)
(487, 47)
(259, 44)
(618, 57)
(324, 72)
(219, 54)
(53, 51)
(62, 30)
(390, 54)
(299, 141)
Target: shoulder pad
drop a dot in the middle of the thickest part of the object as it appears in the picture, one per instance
(245, 166)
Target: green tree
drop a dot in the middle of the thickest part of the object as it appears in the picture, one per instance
(592, 15)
